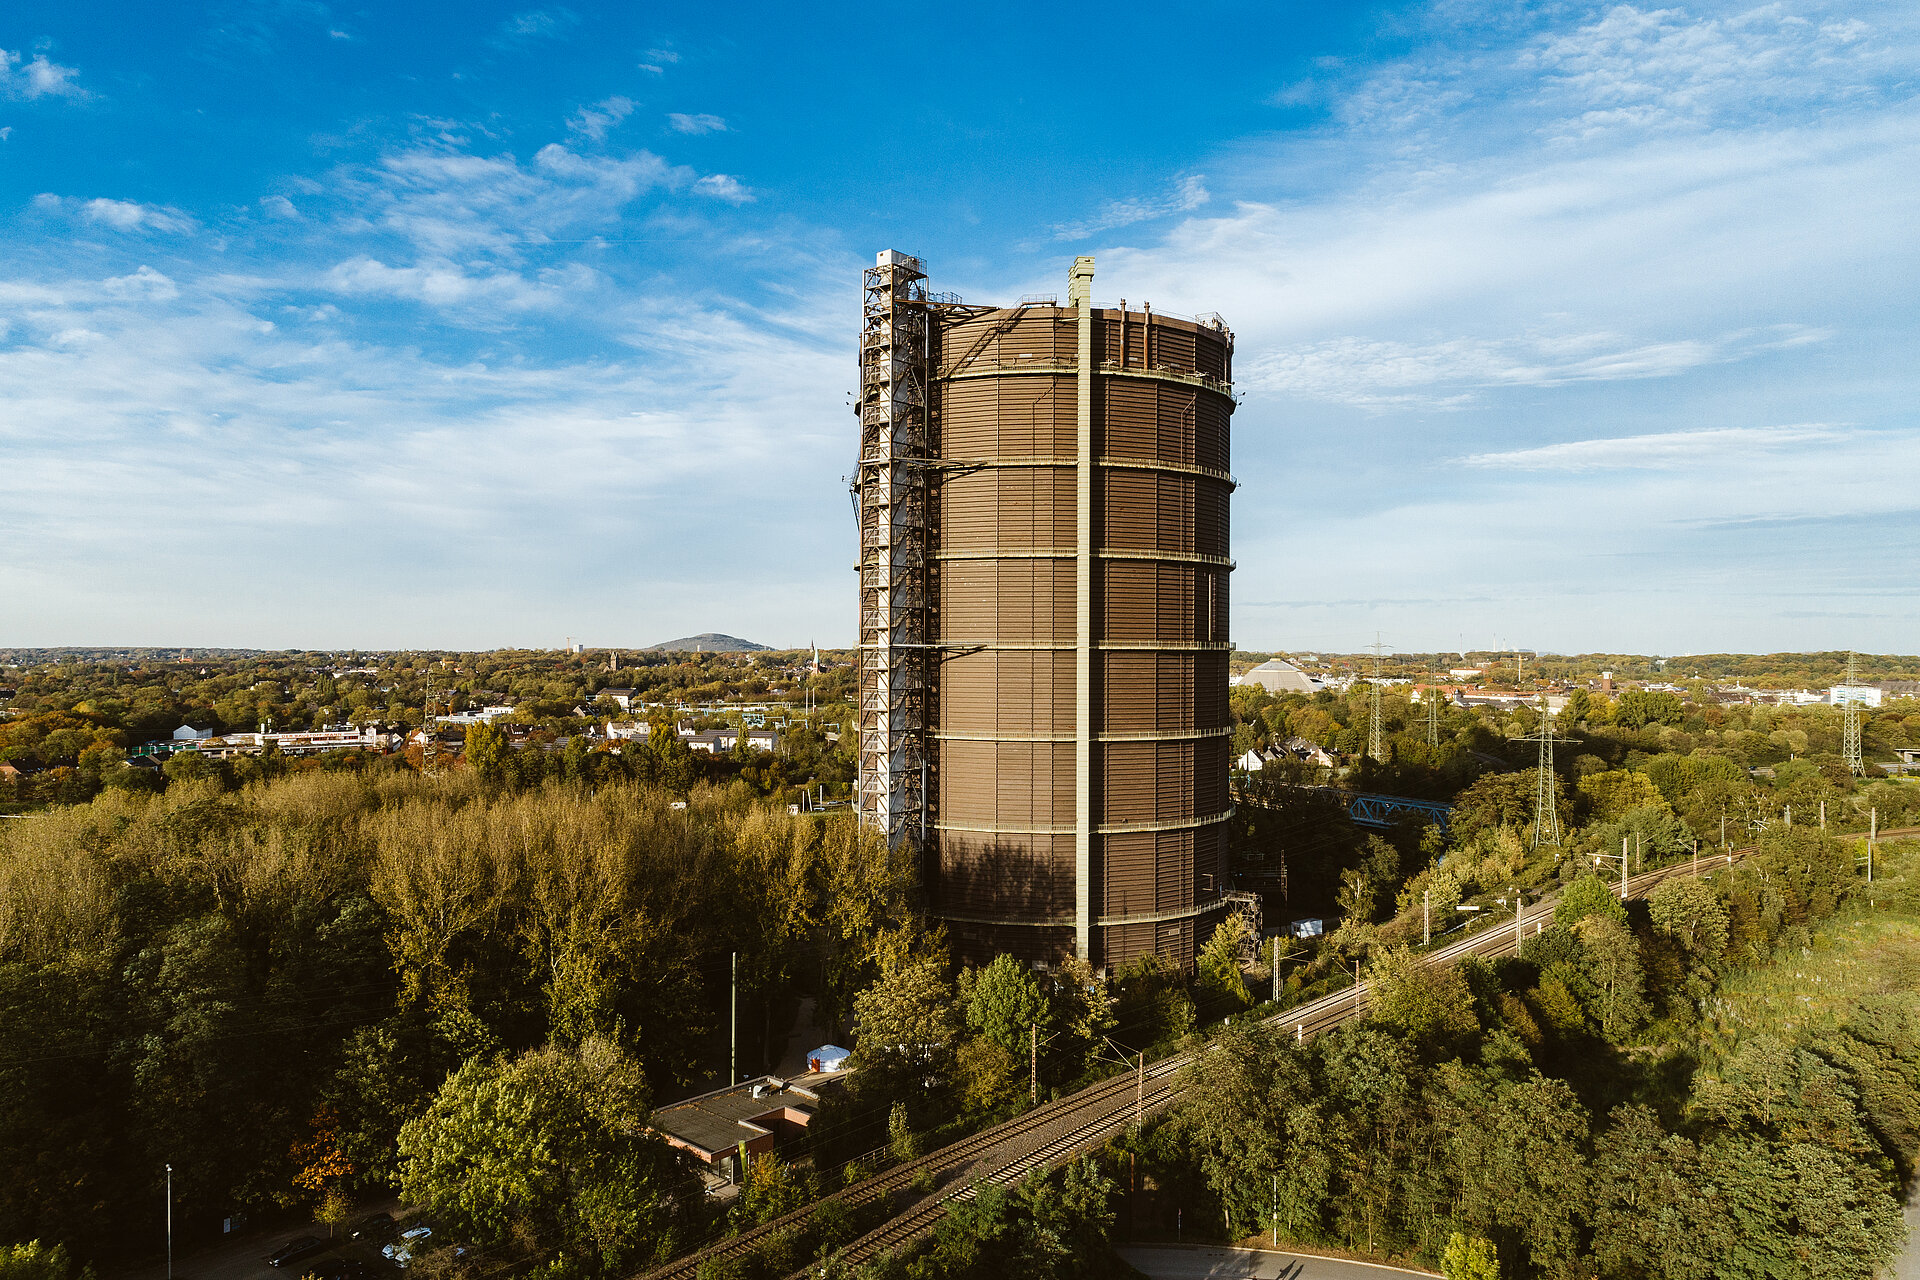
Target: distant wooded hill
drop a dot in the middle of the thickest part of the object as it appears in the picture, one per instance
(710, 642)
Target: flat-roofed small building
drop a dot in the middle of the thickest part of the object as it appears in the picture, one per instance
(758, 1115)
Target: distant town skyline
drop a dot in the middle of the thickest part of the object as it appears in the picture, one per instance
(476, 326)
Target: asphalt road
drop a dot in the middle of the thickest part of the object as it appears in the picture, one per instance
(1171, 1262)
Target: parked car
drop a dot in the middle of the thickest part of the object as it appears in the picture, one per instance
(295, 1249)
(400, 1252)
(375, 1226)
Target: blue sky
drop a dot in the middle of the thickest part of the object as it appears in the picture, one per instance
(1559, 326)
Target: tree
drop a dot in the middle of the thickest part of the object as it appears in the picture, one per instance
(36, 1261)
(1469, 1258)
(1004, 1002)
(1611, 964)
(550, 1146)
(1637, 708)
(487, 749)
(1428, 1003)
(1614, 792)
(1692, 912)
(1588, 896)
(1497, 800)
(1251, 1116)
(1653, 1212)
(333, 1212)
(907, 1018)
(773, 1189)
(1514, 1150)
(1219, 961)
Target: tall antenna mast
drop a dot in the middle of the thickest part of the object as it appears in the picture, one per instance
(1374, 747)
(1850, 704)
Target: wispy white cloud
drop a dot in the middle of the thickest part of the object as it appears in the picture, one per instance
(596, 121)
(658, 60)
(279, 207)
(447, 201)
(1664, 451)
(682, 123)
(1184, 196)
(722, 186)
(22, 78)
(536, 24)
(1455, 373)
(1654, 68)
(119, 215)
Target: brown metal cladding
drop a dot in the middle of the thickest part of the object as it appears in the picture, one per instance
(1006, 395)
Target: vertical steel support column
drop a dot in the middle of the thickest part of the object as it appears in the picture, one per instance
(1080, 297)
(891, 489)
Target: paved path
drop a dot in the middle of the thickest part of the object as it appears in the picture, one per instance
(1173, 1262)
(1907, 1265)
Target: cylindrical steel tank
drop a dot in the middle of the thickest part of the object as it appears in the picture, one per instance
(1011, 867)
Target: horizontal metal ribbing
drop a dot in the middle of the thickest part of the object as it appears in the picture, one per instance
(1119, 463)
(1060, 922)
(1105, 828)
(1168, 735)
(1068, 369)
(1116, 646)
(1062, 553)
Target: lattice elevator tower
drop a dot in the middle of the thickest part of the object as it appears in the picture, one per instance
(891, 493)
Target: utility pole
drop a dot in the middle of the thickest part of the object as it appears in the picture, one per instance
(1823, 815)
(1374, 746)
(169, 1222)
(1873, 832)
(1433, 718)
(1140, 1095)
(1426, 917)
(1034, 1058)
(1517, 906)
(1276, 968)
(733, 1027)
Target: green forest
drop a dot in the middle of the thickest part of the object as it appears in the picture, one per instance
(306, 984)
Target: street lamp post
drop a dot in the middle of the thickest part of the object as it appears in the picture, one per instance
(169, 1222)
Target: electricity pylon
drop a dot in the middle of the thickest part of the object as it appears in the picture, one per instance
(1433, 717)
(1850, 704)
(1546, 821)
(429, 753)
(1374, 747)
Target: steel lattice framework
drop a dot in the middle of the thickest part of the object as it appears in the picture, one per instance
(1850, 744)
(1546, 821)
(891, 494)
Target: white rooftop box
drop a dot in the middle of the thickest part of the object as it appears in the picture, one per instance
(894, 258)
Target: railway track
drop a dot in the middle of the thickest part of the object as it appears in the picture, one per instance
(1055, 1132)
